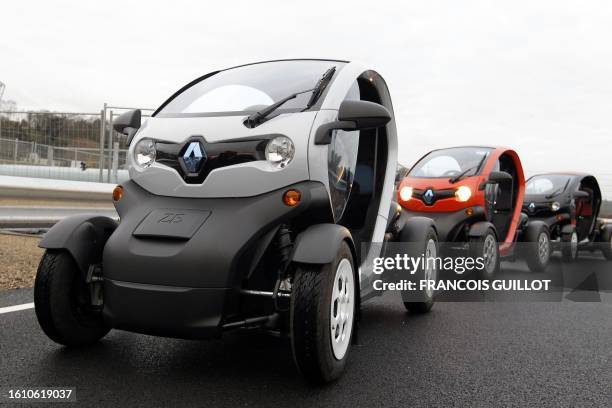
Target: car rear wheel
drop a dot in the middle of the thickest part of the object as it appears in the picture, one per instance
(569, 247)
(60, 302)
(322, 315)
(486, 248)
(537, 247)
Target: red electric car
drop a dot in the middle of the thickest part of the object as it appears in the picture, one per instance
(475, 195)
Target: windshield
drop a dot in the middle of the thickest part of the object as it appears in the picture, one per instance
(547, 184)
(451, 162)
(250, 88)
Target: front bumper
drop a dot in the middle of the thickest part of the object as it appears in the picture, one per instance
(451, 225)
(165, 310)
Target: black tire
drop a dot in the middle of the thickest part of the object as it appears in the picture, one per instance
(606, 237)
(537, 247)
(60, 310)
(311, 302)
(428, 299)
(478, 247)
(569, 246)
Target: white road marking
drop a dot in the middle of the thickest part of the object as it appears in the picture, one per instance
(16, 308)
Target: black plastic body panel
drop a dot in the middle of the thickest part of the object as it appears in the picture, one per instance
(207, 260)
(480, 228)
(171, 223)
(188, 287)
(450, 226)
(320, 244)
(170, 311)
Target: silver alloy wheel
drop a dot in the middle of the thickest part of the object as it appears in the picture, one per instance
(342, 308)
(574, 244)
(543, 247)
(431, 272)
(489, 252)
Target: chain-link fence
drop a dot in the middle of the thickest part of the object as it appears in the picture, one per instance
(62, 145)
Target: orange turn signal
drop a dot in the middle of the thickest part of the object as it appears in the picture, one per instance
(292, 198)
(469, 211)
(117, 193)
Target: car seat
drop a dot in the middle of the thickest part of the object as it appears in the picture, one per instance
(584, 214)
(502, 207)
(359, 198)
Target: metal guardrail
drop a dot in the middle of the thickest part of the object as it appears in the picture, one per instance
(27, 188)
(45, 217)
(22, 189)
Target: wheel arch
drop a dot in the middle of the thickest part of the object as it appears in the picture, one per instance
(82, 236)
(415, 227)
(319, 244)
(479, 228)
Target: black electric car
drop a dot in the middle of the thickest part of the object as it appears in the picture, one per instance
(569, 204)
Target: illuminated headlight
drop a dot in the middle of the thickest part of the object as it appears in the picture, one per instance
(555, 206)
(280, 151)
(463, 193)
(144, 153)
(405, 193)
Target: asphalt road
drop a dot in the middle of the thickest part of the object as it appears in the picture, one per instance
(461, 354)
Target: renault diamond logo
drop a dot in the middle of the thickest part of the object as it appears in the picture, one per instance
(532, 207)
(428, 196)
(193, 158)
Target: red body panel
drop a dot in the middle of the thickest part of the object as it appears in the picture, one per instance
(477, 198)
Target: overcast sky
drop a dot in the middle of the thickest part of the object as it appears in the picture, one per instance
(533, 75)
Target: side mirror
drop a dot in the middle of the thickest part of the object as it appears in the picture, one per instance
(364, 114)
(580, 194)
(128, 123)
(354, 115)
(499, 177)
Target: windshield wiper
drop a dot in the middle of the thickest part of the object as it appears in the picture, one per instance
(258, 117)
(459, 176)
(556, 192)
(320, 87)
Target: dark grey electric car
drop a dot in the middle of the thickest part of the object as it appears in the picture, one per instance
(255, 196)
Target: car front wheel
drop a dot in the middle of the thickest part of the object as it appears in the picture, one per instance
(60, 302)
(486, 248)
(537, 247)
(323, 303)
(569, 246)
(429, 273)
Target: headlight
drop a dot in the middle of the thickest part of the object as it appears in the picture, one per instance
(144, 153)
(463, 193)
(555, 206)
(280, 151)
(405, 193)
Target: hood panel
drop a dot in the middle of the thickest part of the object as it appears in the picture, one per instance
(243, 180)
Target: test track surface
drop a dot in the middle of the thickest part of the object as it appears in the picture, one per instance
(464, 354)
